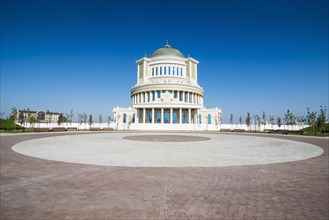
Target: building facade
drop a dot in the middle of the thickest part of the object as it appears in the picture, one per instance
(39, 116)
(167, 96)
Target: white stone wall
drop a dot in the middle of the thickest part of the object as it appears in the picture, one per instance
(169, 127)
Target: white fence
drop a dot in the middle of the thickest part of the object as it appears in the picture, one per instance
(170, 127)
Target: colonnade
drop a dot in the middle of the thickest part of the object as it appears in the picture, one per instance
(167, 69)
(167, 115)
(151, 96)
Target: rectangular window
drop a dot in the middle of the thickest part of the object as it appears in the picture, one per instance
(168, 70)
(164, 72)
(160, 70)
(173, 70)
(159, 94)
(177, 71)
(181, 71)
(152, 71)
(156, 71)
(175, 94)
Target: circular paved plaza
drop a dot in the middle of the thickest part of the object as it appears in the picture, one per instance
(167, 150)
(163, 176)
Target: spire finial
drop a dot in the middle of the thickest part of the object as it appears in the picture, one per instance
(167, 45)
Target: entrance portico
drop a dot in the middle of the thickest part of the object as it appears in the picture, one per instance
(167, 115)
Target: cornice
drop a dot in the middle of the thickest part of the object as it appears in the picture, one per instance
(165, 86)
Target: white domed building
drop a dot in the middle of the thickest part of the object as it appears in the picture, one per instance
(167, 96)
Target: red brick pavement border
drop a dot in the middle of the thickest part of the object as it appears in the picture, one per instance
(33, 188)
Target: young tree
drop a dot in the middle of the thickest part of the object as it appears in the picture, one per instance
(80, 118)
(272, 120)
(13, 117)
(308, 116)
(100, 119)
(290, 118)
(85, 119)
(231, 120)
(279, 122)
(322, 118)
(259, 121)
(67, 117)
(60, 119)
(263, 119)
(21, 118)
(90, 120)
(71, 116)
(109, 118)
(312, 118)
(248, 121)
(32, 120)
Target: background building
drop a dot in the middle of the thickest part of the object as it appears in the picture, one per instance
(167, 96)
(39, 116)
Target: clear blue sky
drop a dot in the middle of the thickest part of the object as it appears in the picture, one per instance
(80, 55)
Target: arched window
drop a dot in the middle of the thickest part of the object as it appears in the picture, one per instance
(153, 95)
(124, 118)
(164, 70)
(148, 97)
(175, 118)
(168, 70)
(160, 70)
(175, 94)
(209, 119)
(200, 119)
(159, 94)
(158, 117)
(181, 71)
(183, 118)
(177, 71)
(166, 117)
(152, 71)
(156, 71)
(133, 118)
(173, 70)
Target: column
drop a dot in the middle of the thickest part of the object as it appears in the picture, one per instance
(189, 116)
(144, 115)
(151, 96)
(161, 115)
(188, 97)
(171, 116)
(180, 116)
(137, 116)
(153, 116)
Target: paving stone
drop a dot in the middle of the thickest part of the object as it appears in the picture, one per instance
(33, 188)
